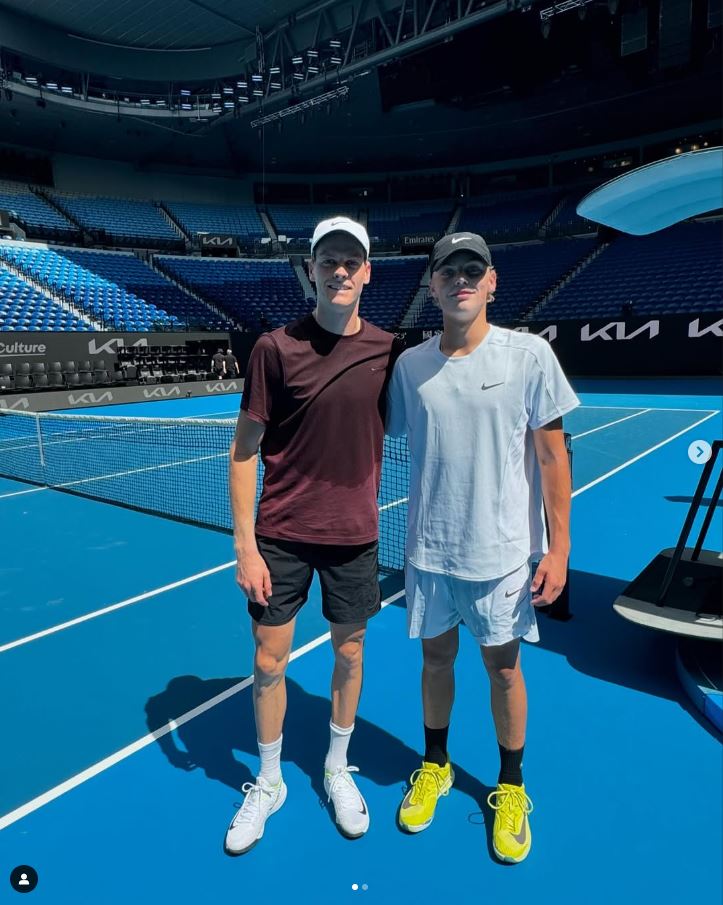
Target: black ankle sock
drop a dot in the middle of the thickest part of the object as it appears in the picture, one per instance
(435, 745)
(510, 766)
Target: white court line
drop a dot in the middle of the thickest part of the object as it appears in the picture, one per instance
(630, 408)
(404, 499)
(115, 606)
(117, 474)
(149, 739)
(641, 455)
(4, 496)
(210, 414)
(139, 744)
(610, 424)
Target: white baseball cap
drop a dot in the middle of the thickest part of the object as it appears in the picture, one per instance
(341, 225)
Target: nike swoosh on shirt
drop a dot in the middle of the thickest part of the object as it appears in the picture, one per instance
(512, 593)
(488, 386)
(380, 368)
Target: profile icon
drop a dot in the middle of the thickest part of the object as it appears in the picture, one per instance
(24, 878)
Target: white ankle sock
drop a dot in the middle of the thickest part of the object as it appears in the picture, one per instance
(338, 744)
(270, 755)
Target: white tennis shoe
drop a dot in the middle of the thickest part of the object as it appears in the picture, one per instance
(261, 801)
(352, 814)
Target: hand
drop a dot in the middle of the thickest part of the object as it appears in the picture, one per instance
(549, 579)
(253, 577)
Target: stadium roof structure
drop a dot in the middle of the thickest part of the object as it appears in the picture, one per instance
(406, 84)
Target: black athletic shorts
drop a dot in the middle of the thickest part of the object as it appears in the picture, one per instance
(348, 575)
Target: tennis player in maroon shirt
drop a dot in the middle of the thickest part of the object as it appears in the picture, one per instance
(313, 404)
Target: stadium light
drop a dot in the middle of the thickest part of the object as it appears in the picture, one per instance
(549, 11)
(275, 70)
(229, 105)
(66, 89)
(319, 100)
(184, 92)
(312, 54)
(31, 80)
(336, 61)
(242, 83)
(275, 85)
(51, 86)
(258, 92)
(335, 44)
(186, 106)
(145, 102)
(160, 102)
(297, 60)
(313, 70)
(215, 95)
(257, 77)
(299, 76)
(243, 99)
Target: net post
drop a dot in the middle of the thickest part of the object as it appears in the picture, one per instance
(41, 451)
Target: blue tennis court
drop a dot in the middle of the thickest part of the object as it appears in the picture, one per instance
(125, 657)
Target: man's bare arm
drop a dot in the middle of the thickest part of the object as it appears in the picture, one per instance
(252, 573)
(552, 456)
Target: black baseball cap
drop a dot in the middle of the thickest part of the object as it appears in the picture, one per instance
(448, 245)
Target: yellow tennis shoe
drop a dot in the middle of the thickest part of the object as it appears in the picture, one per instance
(420, 802)
(511, 836)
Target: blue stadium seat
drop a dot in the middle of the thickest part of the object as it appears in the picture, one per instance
(238, 220)
(34, 214)
(678, 270)
(121, 221)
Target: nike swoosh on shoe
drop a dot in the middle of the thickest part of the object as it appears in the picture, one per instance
(521, 837)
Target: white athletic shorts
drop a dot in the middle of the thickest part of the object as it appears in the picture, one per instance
(495, 611)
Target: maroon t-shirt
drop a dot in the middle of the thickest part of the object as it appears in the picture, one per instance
(322, 399)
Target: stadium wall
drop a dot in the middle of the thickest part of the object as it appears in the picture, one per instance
(36, 346)
(93, 176)
(673, 346)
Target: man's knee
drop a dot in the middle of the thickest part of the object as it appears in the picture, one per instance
(504, 677)
(269, 664)
(349, 651)
(441, 652)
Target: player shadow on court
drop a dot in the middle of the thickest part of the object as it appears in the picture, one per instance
(211, 740)
(600, 643)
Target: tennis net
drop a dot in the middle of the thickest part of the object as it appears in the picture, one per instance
(176, 468)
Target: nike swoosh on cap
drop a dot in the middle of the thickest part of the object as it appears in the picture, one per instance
(459, 239)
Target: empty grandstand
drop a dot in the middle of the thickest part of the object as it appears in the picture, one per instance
(257, 294)
(102, 299)
(241, 221)
(120, 221)
(675, 271)
(38, 218)
(23, 307)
